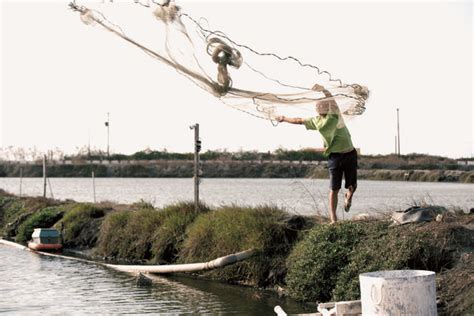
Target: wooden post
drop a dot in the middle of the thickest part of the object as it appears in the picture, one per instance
(44, 176)
(93, 185)
(50, 189)
(197, 149)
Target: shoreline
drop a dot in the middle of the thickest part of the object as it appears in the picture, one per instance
(227, 169)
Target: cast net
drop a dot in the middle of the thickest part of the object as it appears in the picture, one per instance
(264, 85)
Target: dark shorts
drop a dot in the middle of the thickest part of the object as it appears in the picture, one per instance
(342, 164)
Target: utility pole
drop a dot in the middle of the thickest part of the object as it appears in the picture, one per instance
(398, 131)
(107, 124)
(197, 149)
(396, 151)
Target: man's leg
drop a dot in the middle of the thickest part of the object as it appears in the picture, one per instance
(348, 197)
(333, 205)
(335, 181)
(350, 175)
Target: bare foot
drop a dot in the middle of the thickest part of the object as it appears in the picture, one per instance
(347, 201)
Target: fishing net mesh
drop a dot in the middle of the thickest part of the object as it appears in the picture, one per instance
(263, 85)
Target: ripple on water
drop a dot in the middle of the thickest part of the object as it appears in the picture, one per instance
(34, 284)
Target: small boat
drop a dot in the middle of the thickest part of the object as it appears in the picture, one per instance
(45, 239)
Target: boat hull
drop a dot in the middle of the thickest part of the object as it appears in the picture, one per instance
(36, 246)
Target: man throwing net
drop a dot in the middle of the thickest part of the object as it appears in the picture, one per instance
(342, 156)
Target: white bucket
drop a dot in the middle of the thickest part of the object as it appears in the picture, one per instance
(399, 292)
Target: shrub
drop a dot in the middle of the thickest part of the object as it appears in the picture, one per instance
(315, 262)
(16, 210)
(233, 229)
(171, 233)
(6, 202)
(326, 264)
(80, 225)
(391, 248)
(147, 234)
(44, 218)
(128, 235)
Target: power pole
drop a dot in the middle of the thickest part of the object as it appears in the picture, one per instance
(107, 124)
(398, 131)
(396, 151)
(197, 149)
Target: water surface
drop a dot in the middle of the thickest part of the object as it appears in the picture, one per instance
(303, 196)
(32, 284)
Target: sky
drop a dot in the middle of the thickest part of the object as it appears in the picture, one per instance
(60, 77)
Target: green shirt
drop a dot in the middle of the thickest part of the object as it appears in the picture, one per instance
(336, 140)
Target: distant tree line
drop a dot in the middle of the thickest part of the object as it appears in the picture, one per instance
(224, 155)
(394, 162)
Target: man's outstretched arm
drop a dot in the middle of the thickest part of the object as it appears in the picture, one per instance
(333, 107)
(291, 120)
(322, 89)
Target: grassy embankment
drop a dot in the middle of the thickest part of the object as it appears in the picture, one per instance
(308, 259)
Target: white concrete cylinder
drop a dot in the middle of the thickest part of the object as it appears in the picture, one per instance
(399, 292)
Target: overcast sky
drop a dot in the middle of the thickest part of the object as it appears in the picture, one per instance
(60, 77)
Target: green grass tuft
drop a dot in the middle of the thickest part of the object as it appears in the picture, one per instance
(233, 229)
(44, 218)
(171, 233)
(145, 235)
(80, 225)
(15, 210)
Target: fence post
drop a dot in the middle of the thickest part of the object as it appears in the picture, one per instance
(93, 185)
(197, 149)
(21, 180)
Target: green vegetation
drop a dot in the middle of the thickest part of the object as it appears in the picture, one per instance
(397, 248)
(171, 233)
(309, 259)
(14, 211)
(146, 235)
(80, 225)
(268, 230)
(326, 264)
(392, 162)
(44, 218)
(314, 264)
(279, 154)
(128, 235)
